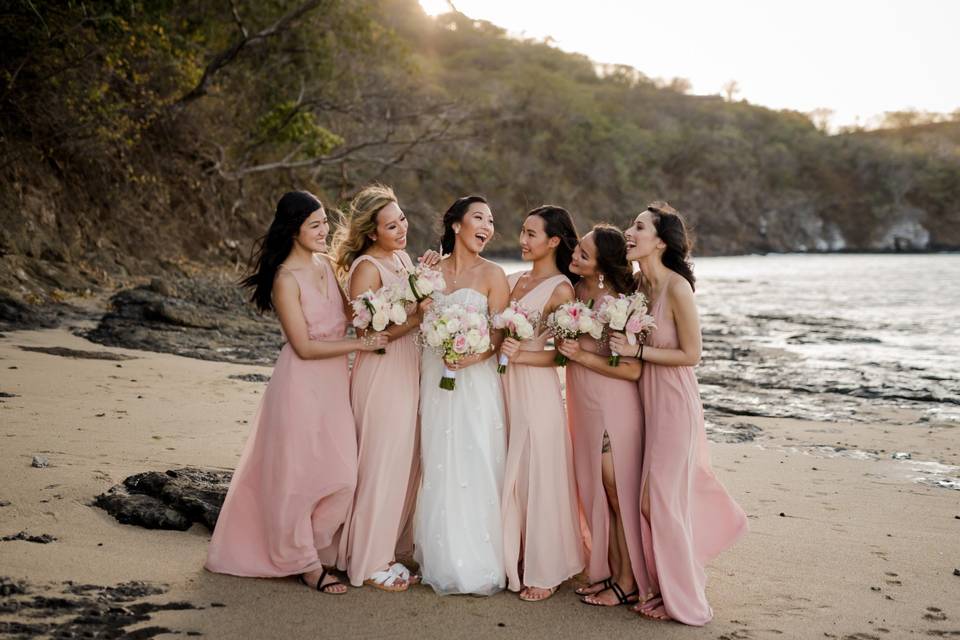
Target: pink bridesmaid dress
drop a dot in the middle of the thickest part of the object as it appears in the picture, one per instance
(384, 392)
(291, 491)
(692, 518)
(541, 517)
(598, 403)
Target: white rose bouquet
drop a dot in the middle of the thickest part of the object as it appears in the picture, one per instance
(628, 315)
(377, 309)
(519, 324)
(572, 320)
(453, 333)
(423, 281)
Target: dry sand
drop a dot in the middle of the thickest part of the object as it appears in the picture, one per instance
(843, 545)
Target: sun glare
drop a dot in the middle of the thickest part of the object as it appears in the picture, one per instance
(434, 7)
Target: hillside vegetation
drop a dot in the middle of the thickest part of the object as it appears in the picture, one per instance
(144, 138)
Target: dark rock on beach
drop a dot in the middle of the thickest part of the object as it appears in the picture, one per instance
(250, 377)
(172, 500)
(74, 610)
(78, 353)
(206, 317)
(44, 538)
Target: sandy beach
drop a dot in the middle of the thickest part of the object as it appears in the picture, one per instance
(845, 541)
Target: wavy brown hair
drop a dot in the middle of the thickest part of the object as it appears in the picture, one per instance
(673, 231)
(612, 257)
(352, 239)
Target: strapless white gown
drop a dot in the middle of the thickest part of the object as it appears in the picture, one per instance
(458, 530)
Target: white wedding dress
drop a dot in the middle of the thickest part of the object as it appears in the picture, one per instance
(457, 527)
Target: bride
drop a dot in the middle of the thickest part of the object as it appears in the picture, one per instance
(458, 532)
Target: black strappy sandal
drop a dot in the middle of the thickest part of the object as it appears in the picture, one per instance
(324, 588)
(606, 582)
(622, 598)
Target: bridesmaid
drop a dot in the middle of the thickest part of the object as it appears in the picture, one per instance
(291, 491)
(688, 517)
(541, 516)
(384, 392)
(603, 408)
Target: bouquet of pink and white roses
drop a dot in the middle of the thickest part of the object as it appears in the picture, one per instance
(519, 324)
(454, 332)
(627, 314)
(570, 321)
(377, 309)
(424, 281)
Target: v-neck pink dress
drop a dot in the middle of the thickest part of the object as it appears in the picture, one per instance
(542, 545)
(291, 491)
(692, 517)
(385, 393)
(596, 404)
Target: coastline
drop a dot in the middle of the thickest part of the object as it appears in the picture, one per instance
(845, 540)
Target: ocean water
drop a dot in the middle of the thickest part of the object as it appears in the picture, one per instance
(825, 336)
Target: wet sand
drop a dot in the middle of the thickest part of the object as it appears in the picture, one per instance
(846, 542)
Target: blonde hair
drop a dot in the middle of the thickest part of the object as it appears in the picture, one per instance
(353, 237)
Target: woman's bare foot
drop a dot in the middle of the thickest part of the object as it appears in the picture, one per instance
(653, 609)
(536, 594)
(612, 597)
(596, 587)
(323, 581)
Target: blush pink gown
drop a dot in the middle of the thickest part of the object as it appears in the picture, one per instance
(598, 403)
(292, 489)
(541, 517)
(692, 518)
(385, 393)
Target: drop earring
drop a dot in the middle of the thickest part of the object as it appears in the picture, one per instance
(601, 281)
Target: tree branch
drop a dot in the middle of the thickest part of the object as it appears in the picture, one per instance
(228, 55)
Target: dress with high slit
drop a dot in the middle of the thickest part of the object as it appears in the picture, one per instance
(597, 403)
(542, 545)
(692, 517)
(292, 488)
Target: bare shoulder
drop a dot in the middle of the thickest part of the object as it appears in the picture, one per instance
(364, 267)
(493, 271)
(678, 289)
(564, 291)
(285, 284)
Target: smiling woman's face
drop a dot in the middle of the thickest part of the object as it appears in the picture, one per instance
(476, 227)
(313, 232)
(391, 233)
(584, 260)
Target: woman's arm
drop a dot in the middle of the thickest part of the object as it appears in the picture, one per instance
(286, 302)
(538, 357)
(629, 368)
(366, 277)
(498, 297)
(684, 309)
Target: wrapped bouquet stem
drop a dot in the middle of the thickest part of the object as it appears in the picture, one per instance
(454, 332)
(518, 322)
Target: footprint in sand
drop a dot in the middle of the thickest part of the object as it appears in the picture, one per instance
(933, 613)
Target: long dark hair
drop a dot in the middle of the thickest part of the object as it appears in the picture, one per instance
(612, 258)
(558, 223)
(275, 245)
(453, 215)
(673, 231)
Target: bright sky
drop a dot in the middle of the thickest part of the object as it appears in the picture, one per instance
(856, 57)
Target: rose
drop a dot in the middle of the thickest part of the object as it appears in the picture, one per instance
(453, 325)
(460, 344)
(398, 315)
(634, 325)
